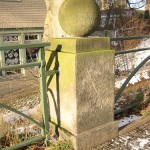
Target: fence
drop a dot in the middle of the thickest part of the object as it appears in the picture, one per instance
(42, 77)
(133, 72)
(17, 36)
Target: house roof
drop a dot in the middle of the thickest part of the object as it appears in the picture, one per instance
(22, 13)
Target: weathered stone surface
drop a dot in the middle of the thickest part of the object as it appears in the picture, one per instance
(62, 91)
(96, 136)
(90, 138)
(52, 27)
(79, 17)
(81, 97)
(94, 89)
(79, 45)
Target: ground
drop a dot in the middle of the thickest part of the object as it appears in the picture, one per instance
(138, 139)
(18, 90)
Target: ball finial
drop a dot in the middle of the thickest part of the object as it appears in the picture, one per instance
(79, 17)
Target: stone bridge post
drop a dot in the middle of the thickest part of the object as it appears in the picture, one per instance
(81, 96)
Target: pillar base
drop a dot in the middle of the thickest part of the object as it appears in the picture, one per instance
(90, 138)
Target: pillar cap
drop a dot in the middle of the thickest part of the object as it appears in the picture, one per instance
(79, 45)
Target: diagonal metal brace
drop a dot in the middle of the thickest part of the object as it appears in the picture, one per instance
(22, 114)
(52, 72)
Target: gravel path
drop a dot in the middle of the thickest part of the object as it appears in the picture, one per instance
(18, 91)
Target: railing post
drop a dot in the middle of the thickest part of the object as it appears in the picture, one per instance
(22, 53)
(43, 92)
(40, 37)
(2, 56)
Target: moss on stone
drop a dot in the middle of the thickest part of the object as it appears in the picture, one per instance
(79, 45)
(79, 17)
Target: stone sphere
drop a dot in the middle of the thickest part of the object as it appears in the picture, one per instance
(79, 17)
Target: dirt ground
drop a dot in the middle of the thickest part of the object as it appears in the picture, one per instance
(17, 90)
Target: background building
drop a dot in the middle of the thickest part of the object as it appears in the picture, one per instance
(21, 21)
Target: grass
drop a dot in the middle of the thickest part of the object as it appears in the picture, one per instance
(11, 137)
(62, 145)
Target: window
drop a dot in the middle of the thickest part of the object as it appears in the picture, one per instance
(10, 38)
(30, 37)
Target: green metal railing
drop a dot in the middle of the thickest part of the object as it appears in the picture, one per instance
(133, 72)
(130, 38)
(19, 31)
(126, 83)
(130, 77)
(132, 51)
(42, 72)
(22, 37)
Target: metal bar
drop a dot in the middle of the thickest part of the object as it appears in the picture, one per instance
(22, 114)
(20, 66)
(129, 38)
(18, 31)
(42, 65)
(25, 143)
(43, 91)
(130, 77)
(131, 51)
(23, 46)
(116, 112)
(51, 72)
(128, 107)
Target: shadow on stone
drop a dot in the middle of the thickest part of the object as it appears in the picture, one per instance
(56, 99)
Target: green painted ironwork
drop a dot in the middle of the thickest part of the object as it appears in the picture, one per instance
(41, 64)
(127, 108)
(133, 72)
(22, 114)
(25, 143)
(129, 38)
(116, 112)
(43, 91)
(19, 31)
(20, 66)
(23, 46)
(131, 51)
(51, 72)
(130, 77)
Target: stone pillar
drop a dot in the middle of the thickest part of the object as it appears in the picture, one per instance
(81, 96)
